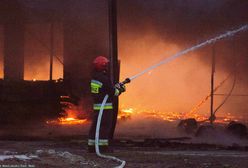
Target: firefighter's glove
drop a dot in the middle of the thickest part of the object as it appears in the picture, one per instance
(120, 87)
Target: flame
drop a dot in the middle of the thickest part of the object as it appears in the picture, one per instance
(128, 113)
(72, 114)
(125, 113)
(67, 121)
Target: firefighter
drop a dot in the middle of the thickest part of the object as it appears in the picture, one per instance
(100, 86)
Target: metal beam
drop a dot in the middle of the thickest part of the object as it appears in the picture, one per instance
(212, 86)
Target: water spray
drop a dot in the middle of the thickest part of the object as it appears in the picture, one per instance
(183, 52)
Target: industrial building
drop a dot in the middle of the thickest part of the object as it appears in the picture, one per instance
(46, 48)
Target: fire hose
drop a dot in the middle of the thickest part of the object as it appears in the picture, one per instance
(99, 118)
(167, 60)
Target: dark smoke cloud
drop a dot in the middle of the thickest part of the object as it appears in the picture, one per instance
(187, 22)
(181, 20)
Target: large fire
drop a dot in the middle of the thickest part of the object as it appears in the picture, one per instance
(167, 93)
(128, 113)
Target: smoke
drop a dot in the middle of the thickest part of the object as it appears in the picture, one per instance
(148, 31)
(184, 23)
(38, 50)
(151, 31)
(141, 127)
(181, 21)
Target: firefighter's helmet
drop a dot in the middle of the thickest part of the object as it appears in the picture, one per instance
(100, 63)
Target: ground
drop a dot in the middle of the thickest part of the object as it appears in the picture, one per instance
(73, 153)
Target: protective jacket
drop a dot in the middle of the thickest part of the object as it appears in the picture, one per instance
(101, 85)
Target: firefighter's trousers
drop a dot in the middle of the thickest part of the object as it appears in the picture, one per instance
(105, 129)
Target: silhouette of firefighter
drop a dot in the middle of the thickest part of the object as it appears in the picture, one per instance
(100, 86)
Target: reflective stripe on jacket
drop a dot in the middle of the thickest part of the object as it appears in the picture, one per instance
(107, 106)
(101, 142)
(95, 86)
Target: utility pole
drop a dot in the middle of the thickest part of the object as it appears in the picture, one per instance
(51, 50)
(113, 48)
(212, 115)
(113, 52)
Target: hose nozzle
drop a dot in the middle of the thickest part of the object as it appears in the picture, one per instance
(127, 80)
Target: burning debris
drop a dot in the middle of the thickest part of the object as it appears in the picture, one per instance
(129, 113)
(67, 121)
(71, 113)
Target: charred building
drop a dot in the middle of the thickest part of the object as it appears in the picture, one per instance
(39, 36)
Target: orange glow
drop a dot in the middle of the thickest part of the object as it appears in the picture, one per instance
(41, 71)
(128, 113)
(67, 121)
(72, 114)
(171, 91)
(37, 51)
(154, 90)
(166, 116)
(167, 93)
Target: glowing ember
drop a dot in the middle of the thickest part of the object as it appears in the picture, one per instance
(128, 113)
(72, 114)
(125, 113)
(72, 121)
(67, 121)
